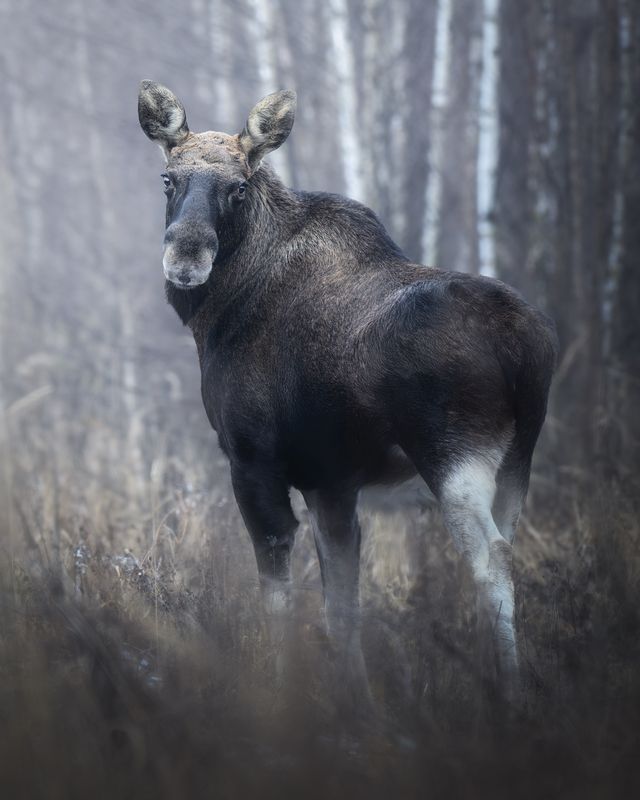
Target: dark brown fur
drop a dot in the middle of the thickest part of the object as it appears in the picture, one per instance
(329, 361)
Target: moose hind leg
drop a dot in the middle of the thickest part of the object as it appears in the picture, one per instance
(466, 497)
(512, 482)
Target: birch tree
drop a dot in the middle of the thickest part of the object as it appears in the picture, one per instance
(439, 100)
(346, 99)
(264, 37)
(488, 137)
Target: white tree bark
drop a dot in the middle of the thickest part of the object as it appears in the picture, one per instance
(370, 138)
(225, 110)
(616, 251)
(347, 100)
(266, 44)
(398, 122)
(439, 99)
(123, 366)
(488, 137)
(201, 72)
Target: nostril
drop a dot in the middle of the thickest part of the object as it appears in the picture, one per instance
(184, 278)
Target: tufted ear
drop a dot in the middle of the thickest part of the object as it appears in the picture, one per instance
(162, 116)
(268, 125)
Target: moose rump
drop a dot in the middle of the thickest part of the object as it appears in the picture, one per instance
(468, 371)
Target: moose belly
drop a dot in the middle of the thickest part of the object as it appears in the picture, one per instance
(341, 448)
(316, 433)
(318, 469)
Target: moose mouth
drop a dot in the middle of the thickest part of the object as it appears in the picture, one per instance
(187, 273)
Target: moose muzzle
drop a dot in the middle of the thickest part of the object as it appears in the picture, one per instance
(189, 253)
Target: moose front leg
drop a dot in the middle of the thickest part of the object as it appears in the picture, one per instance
(263, 499)
(337, 535)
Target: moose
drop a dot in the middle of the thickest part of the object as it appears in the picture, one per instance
(330, 362)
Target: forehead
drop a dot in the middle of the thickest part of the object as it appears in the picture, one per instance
(213, 149)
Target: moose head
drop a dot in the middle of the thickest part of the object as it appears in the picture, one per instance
(207, 175)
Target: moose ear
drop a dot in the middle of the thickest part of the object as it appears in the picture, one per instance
(268, 125)
(162, 116)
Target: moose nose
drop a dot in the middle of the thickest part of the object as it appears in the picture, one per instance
(190, 239)
(189, 253)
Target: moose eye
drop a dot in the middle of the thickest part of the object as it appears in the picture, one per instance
(166, 180)
(237, 193)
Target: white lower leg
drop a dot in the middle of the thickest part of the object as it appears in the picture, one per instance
(507, 506)
(466, 498)
(498, 589)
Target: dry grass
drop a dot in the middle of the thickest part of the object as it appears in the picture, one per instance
(135, 662)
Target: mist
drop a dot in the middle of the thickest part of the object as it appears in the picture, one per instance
(494, 137)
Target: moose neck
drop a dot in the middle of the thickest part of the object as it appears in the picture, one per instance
(246, 251)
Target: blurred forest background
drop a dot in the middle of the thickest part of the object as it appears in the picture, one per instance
(490, 136)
